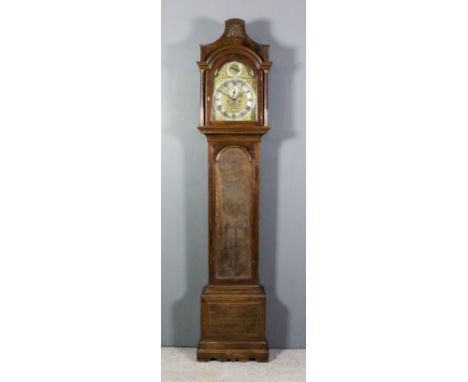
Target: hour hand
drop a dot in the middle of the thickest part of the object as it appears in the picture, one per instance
(235, 93)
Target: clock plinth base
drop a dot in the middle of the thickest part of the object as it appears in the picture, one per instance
(233, 324)
(232, 351)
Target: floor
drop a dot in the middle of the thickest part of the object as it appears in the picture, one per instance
(180, 365)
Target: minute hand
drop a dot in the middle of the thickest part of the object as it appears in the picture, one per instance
(226, 94)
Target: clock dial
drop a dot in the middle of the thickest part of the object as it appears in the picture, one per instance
(234, 69)
(234, 99)
(234, 95)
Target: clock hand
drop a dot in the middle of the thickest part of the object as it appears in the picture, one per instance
(226, 94)
(237, 95)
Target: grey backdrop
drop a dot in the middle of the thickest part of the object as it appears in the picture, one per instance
(185, 25)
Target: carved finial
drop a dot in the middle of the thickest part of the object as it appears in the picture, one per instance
(234, 28)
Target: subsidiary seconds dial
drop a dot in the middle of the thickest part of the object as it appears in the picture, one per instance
(234, 99)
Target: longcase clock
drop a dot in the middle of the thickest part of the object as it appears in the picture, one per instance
(233, 117)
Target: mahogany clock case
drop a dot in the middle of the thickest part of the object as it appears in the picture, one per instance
(233, 304)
